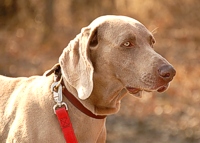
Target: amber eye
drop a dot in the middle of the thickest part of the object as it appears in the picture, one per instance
(127, 44)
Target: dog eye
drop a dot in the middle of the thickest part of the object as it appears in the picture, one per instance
(127, 44)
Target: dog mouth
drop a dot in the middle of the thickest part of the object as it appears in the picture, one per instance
(133, 90)
(136, 91)
(163, 88)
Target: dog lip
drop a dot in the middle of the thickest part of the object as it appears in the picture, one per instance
(163, 88)
(133, 90)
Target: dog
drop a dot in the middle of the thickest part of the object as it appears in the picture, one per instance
(110, 58)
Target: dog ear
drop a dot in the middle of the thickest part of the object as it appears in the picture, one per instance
(77, 68)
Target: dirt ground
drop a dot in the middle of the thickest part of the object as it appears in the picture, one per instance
(33, 35)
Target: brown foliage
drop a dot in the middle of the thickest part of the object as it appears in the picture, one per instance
(33, 34)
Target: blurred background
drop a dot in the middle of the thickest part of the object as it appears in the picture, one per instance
(33, 34)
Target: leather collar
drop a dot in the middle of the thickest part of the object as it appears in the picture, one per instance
(80, 106)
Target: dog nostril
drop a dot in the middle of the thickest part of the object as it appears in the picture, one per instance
(166, 75)
(167, 72)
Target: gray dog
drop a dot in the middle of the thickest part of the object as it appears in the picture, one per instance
(109, 59)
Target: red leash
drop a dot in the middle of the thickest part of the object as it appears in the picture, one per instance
(66, 125)
(60, 109)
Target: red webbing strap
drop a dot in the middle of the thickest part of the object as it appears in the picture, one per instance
(66, 125)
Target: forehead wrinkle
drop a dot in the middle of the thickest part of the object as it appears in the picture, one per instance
(122, 33)
(118, 31)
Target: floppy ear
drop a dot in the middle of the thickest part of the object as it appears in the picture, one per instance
(77, 68)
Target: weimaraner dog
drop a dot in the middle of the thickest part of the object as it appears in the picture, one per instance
(110, 58)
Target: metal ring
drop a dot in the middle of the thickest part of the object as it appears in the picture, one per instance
(59, 106)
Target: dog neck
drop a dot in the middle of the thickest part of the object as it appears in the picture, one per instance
(79, 105)
(102, 101)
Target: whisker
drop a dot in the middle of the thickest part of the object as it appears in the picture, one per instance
(154, 31)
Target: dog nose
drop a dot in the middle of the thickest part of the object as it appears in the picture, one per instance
(167, 72)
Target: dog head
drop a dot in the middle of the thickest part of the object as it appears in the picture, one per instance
(111, 54)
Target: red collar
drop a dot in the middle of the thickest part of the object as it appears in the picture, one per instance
(79, 105)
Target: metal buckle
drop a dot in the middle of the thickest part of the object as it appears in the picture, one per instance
(57, 92)
(56, 88)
